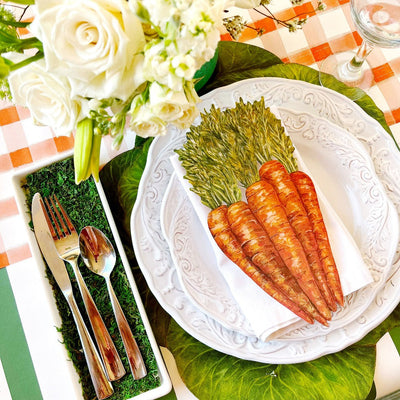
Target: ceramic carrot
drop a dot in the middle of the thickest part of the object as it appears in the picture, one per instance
(220, 229)
(268, 209)
(307, 192)
(258, 247)
(275, 173)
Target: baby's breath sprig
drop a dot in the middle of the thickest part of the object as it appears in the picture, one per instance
(236, 24)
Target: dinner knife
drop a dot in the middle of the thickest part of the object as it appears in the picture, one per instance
(102, 386)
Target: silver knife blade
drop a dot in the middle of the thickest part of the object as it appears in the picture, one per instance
(46, 244)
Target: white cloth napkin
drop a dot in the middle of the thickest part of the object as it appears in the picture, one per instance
(268, 318)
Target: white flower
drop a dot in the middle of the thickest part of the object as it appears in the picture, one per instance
(143, 121)
(159, 11)
(190, 35)
(156, 62)
(165, 103)
(199, 31)
(190, 110)
(184, 66)
(247, 3)
(93, 42)
(167, 66)
(189, 114)
(47, 96)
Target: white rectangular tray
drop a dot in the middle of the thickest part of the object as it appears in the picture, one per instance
(39, 315)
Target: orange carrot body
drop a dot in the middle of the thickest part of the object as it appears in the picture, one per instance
(308, 195)
(261, 251)
(226, 240)
(267, 208)
(275, 173)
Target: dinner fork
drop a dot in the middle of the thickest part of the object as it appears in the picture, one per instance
(66, 241)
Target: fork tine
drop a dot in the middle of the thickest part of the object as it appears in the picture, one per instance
(48, 220)
(65, 215)
(64, 228)
(53, 220)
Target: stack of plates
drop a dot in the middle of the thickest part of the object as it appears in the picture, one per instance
(355, 163)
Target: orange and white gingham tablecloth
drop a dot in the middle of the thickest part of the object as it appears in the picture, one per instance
(330, 31)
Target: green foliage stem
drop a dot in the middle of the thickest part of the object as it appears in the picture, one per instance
(25, 2)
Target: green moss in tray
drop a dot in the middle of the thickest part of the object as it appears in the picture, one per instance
(84, 207)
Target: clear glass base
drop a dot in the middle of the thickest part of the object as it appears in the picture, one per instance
(337, 65)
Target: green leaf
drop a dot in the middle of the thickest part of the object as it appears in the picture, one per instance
(4, 68)
(110, 177)
(372, 393)
(306, 74)
(395, 335)
(345, 375)
(203, 75)
(237, 61)
(129, 181)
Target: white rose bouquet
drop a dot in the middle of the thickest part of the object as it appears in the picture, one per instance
(95, 67)
(98, 66)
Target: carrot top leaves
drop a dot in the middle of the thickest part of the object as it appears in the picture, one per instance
(223, 153)
(213, 182)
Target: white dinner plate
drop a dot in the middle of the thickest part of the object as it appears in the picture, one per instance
(153, 253)
(354, 191)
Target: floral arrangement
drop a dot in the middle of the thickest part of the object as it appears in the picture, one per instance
(96, 67)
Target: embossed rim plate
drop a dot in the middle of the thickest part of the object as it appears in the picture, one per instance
(153, 254)
(369, 214)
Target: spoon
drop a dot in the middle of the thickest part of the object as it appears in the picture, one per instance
(99, 256)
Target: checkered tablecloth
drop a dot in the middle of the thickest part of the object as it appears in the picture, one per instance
(23, 143)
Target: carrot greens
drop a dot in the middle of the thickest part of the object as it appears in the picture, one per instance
(222, 154)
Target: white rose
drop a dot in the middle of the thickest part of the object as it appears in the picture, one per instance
(165, 103)
(190, 111)
(247, 3)
(47, 96)
(189, 114)
(93, 42)
(143, 121)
